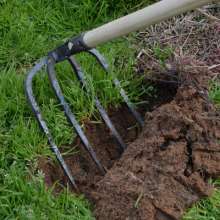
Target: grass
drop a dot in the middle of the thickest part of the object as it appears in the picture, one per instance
(207, 209)
(22, 192)
(28, 30)
(215, 92)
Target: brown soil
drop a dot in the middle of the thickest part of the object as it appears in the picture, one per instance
(166, 169)
(82, 167)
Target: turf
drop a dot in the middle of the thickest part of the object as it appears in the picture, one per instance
(28, 30)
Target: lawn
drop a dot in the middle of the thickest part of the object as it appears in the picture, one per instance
(28, 30)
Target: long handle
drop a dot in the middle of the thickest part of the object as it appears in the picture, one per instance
(150, 15)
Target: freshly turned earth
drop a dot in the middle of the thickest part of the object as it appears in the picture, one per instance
(167, 168)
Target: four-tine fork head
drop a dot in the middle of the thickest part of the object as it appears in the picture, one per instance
(50, 62)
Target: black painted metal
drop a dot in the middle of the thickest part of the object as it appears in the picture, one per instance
(72, 46)
(101, 60)
(70, 115)
(42, 123)
(80, 75)
(63, 53)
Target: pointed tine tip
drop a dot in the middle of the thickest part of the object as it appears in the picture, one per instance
(76, 188)
(36, 109)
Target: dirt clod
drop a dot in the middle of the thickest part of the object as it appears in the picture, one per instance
(166, 169)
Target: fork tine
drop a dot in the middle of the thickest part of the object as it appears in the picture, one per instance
(101, 60)
(80, 75)
(70, 115)
(41, 121)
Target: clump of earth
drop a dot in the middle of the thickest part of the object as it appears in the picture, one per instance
(167, 168)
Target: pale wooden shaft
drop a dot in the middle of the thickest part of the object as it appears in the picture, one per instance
(152, 14)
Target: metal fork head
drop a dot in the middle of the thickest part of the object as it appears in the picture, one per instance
(50, 63)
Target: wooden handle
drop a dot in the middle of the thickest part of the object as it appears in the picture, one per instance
(140, 19)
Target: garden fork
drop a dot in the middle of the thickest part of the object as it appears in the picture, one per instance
(86, 42)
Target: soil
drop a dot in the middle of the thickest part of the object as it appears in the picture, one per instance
(166, 166)
(82, 167)
(166, 169)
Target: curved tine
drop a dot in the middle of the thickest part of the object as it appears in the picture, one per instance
(70, 115)
(42, 123)
(101, 60)
(80, 75)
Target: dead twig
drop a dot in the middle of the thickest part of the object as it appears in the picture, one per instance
(208, 15)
